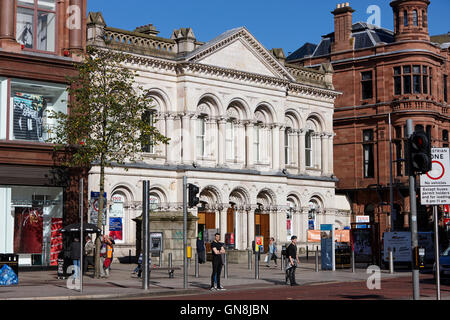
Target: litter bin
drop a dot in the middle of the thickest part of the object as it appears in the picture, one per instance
(9, 269)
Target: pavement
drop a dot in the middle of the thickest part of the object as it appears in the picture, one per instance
(122, 284)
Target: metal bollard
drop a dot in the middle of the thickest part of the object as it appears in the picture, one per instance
(257, 265)
(307, 253)
(391, 262)
(282, 261)
(317, 259)
(249, 260)
(225, 265)
(353, 261)
(170, 265)
(196, 265)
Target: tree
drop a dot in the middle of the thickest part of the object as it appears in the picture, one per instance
(107, 123)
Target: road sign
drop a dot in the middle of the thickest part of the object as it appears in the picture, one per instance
(435, 184)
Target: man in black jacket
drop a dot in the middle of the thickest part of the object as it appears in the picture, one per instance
(76, 256)
(217, 251)
(292, 261)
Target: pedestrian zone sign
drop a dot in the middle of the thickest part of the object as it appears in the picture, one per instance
(435, 184)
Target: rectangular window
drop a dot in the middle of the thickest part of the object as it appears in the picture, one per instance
(417, 81)
(445, 88)
(405, 18)
(36, 24)
(287, 147)
(415, 18)
(201, 137)
(368, 156)
(256, 143)
(148, 146)
(367, 85)
(229, 140)
(31, 103)
(445, 138)
(407, 80)
(397, 80)
(425, 79)
(308, 148)
(431, 81)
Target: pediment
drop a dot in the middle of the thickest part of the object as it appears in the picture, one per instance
(239, 50)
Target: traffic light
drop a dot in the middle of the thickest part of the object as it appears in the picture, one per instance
(419, 153)
(193, 200)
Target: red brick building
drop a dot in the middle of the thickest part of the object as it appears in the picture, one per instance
(401, 73)
(39, 42)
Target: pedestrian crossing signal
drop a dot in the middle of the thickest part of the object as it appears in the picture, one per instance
(419, 153)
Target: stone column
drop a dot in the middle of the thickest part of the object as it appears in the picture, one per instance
(249, 131)
(251, 225)
(75, 34)
(324, 153)
(281, 148)
(237, 228)
(275, 148)
(193, 140)
(7, 26)
(244, 229)
(301, 152)
(223, 222)
(331, 153)
(170, 147)
(303, 224)
(221, 142)
(186, 138)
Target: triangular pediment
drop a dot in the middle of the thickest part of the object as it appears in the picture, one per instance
(238, 50)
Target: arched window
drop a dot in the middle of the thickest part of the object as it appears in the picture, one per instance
(289, 218)
(312, 214)
(257, 135)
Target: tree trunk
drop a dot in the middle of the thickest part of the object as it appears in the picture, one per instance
(100, 219)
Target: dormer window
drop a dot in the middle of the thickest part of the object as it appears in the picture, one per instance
(36, 24)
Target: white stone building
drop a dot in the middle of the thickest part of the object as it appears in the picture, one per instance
(255, 134)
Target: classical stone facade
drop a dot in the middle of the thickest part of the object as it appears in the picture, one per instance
(401, 73)
(253, 132)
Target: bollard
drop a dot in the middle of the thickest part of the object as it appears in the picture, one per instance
(391, 261)
(196, 265)
(353, 260)
(249, 260)
(307, 253)
(257, 265)
(282, 261)
(170, 265)
(225, 265)
(129, 256)
(317, 259)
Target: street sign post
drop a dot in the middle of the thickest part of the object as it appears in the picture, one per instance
(435, 190)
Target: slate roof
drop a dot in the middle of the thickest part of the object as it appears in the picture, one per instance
(365, 35)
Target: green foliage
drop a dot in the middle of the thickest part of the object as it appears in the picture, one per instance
(104, 124)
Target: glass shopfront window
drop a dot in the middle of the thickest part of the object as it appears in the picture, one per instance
(30, 218)
(31, 104)
(3, 107)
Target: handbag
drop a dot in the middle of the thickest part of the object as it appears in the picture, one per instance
(266, 259)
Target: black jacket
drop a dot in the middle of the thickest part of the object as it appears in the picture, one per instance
(76, 250)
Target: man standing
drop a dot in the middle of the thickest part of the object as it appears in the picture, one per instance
(89, 248)
(293, 261)
(75, 255)
(217, 251)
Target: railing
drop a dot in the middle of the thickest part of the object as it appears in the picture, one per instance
(148, 42)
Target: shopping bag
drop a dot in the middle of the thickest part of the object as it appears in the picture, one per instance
(266, 259)
(8, 276)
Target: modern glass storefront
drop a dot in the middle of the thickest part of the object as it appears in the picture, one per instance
(30, 218)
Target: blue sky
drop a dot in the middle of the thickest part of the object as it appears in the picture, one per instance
(276, 24)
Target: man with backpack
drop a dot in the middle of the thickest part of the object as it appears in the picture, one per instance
(292, 261)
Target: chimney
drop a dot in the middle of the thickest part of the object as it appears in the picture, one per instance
(149, 29)
(343, 21)
(185, 40)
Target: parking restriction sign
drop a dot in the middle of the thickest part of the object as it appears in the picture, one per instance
(435, 184)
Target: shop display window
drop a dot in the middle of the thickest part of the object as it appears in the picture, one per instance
(3, 106)
(34, 215)
(31, 104)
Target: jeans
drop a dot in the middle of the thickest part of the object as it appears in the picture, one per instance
(216, 270)
(76, 265)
